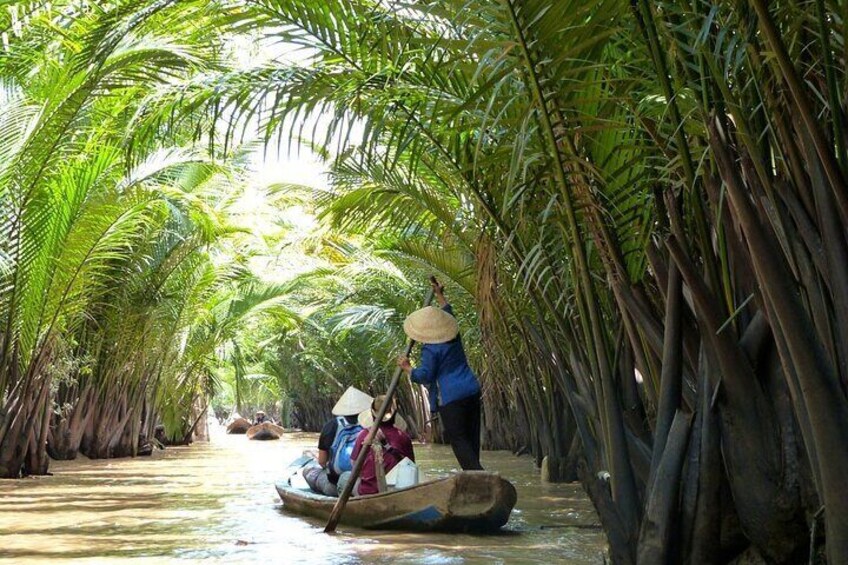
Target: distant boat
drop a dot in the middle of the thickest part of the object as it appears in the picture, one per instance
(264, 431)
(238, 426)
(466, 501)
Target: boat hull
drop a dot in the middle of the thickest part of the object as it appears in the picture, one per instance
(264, 431)
(466, 501)
(238, 426)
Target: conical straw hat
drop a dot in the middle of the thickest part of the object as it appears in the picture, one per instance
(430, 325)
(353, 401)
(366, 417)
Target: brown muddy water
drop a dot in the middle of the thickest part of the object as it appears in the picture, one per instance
(216, 503)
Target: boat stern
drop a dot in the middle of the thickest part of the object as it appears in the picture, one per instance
(482, 500)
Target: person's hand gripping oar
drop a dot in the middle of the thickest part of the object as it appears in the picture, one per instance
(336, 514)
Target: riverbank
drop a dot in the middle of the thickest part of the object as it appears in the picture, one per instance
(216, 502)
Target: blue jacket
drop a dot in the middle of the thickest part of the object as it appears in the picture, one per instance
(445, 372)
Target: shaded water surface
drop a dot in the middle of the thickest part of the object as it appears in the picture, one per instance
(216, 502)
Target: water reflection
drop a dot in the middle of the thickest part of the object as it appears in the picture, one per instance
(216, 502)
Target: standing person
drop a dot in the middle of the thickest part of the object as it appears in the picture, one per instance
(390, 439)
(444, 365)
(336, 442)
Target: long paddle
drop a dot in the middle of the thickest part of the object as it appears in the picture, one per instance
(336, 515)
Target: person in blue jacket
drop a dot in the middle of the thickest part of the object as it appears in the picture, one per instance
(445, 372)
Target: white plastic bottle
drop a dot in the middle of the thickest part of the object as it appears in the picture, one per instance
(406, 473)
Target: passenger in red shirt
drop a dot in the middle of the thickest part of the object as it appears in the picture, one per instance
(394, 442)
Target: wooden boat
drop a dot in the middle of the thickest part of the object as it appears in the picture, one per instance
(465, 501)
(238, 426)
(264, 431)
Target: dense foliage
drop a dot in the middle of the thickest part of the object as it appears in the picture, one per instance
(111, 307)
(644, 202)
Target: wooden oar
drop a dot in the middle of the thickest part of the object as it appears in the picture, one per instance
(336, 515)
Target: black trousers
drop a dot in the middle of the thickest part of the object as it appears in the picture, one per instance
(461, 422)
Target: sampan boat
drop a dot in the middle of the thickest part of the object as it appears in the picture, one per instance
(238, 426)
(264, 431)
(466, 501)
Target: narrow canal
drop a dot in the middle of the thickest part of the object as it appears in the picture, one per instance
(216, 502)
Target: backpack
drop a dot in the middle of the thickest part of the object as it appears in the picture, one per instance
(342, 449)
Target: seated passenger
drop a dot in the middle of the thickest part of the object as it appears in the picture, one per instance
(336, 442)
(390, 442)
